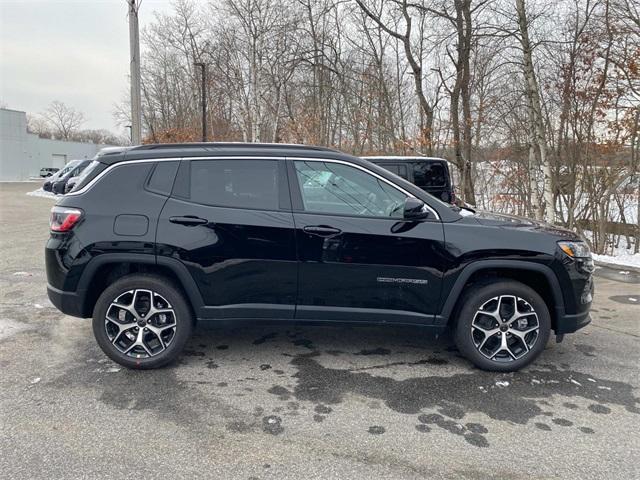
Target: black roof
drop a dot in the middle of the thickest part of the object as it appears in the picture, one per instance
(167, 150)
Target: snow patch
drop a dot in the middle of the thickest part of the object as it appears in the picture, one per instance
(621, 257)
(10, 327)
(41, 193)
(502, 383)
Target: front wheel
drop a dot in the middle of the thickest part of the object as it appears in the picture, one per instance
(142, 321)
(502, 326)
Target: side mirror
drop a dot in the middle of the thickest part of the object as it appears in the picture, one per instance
(415, 209)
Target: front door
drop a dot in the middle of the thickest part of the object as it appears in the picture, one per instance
(229, 222)
(359, 260)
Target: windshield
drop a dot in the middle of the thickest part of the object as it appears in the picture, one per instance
(72, 164)
(64, 169)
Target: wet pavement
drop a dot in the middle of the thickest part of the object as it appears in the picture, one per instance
(269, 401)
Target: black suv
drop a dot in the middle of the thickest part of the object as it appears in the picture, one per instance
(429, 173)
(156, 237)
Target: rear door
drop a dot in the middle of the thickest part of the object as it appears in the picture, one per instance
(359, 260)
(229, 222)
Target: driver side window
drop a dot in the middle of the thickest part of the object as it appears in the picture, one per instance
(338, 189)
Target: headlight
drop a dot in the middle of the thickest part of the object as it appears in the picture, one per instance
(575, 249)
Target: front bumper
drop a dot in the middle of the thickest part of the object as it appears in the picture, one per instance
(582, 289)
(569, 323)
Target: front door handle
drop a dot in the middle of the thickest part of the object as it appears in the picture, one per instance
(189, 220)
(322, 230)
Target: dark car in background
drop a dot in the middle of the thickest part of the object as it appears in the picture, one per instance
(48, 171)
(59, 185)
(47, 186)
(156, 237)
(428, 173)
(70, 184)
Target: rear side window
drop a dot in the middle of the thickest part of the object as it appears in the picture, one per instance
(429, 174)
(400, 170)
(238, 183)
(88, 174)
(161, 179)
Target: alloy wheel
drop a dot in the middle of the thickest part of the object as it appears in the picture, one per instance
(505, 328)
(140, 323)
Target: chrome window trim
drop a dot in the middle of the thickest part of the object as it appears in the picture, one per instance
(88, 186)
(168, 159)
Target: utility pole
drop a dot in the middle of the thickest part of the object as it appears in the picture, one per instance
(203, 98)
(134, 52)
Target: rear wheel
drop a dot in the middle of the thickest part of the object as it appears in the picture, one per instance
(142, 321)
(502, 326)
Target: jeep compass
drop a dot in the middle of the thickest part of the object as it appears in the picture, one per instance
(154, 238)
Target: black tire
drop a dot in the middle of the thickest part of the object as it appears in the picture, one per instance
(467, 338)
(165, 290)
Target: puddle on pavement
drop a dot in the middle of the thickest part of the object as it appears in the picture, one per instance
(441, 402)
(626, 299)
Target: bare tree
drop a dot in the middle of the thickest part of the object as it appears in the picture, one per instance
(461, 21)
(38, 125)
(538, 136)
(405, 37)
(64, 119)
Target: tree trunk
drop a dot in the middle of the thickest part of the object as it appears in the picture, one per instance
(464, 53)
(533, 98)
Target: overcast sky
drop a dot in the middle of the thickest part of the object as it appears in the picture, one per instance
(73, 51)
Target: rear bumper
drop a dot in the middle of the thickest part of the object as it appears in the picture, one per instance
(69, 303)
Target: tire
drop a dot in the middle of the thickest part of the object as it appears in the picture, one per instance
(479, 312)
(119, 315)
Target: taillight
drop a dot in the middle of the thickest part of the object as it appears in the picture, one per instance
(64, 219)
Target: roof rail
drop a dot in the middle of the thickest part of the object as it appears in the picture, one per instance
(112, 151)
(205, 145)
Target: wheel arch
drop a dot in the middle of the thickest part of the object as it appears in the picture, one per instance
(539, 277)
(103, 270)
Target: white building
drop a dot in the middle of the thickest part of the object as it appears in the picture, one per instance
(23, 154)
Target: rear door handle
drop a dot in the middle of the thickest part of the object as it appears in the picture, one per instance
(322, 230)
(189, 220)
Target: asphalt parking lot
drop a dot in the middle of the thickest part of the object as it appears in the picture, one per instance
(295, 401)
